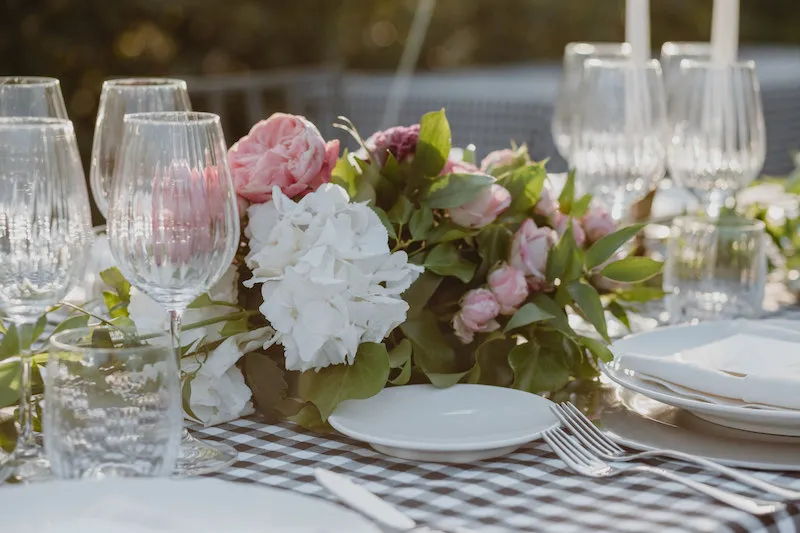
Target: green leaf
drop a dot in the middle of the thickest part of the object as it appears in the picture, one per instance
(559, 321)
(115, 305)
(432, 352)
(123, 322)
(526, 315)
(114, 279)
(567, 195)
(9, 345)
(186, 398)
(404, 376)
(332, 385)
(433, 146)
(598, 348)
(9, 378)
(345, 175)
(421, 223)
(30, 333)
(640, 294)
(588, 301)
(80, 321)
(401, 210)
(266, 379)
(491, 361)
(400, 357)
(443, 381)
(561, 258)
(234, 327)
(448, 231)
(537, 369)
(101, 338)
(204, 300)
(632, 269)
(446, 261)
(581, 207)
(619, 313)
(606, 247)
(310, 418)
(455, 190)
(420, 292)
(494, 243)
(385, 221)
(525, 185)
(469, 154)
(391, 169)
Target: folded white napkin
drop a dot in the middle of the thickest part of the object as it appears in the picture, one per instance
(745, 369)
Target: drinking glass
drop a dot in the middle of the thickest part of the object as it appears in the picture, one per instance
(672, 53)
(619, 132)
(119, 97)
(31, 97)
(173, 225)
(715, 268)
(574, 56)
(716, 119)
(45, 230)
(112, 404)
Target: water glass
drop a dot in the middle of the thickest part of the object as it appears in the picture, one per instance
(112, 404)
(672, 53)
(619, 133)
(22, 96)
(718, 138)
(119, 97)
(574, 56)
(715, 268)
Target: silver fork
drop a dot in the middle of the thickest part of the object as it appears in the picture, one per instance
(581, 461)
(603, 447)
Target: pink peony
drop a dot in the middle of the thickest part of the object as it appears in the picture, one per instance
(484, 209)
(529, 249)
(509, 287)
(561, 221)
(479, 309)
(285, 151)
(498, 158)
(400, 141)
(456, 166)
(597, 223)
(547, 204)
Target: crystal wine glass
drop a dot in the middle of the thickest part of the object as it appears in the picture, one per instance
(31, 97)
(118, 97)
(718, 143)
(173, 225)
(574, 56)
(619, 131)
(45, 231)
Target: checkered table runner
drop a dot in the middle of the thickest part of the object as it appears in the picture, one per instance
(527, 491)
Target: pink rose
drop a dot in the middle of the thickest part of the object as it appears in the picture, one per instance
(456, 166)
(484, 209)
(509, 287)
(479, 309)
(498, 158)
(285, 151)
(561, 221)
(597, 223)
(529, 249)
(547, 204)
(400, 141)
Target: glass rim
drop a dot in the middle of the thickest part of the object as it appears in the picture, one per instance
(616, 63)
(170, 118)
(685, 47)
(57, 344)
(743, 225)
(28, 81)
(35, 123)
(590, 48)
(708, 64)
(132, 83)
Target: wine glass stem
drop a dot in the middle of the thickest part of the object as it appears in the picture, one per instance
(26, 439)
(175, 317)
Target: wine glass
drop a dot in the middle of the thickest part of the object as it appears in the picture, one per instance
(619, 131)
(45, 231)
(173, 226)
(574, 56)
(31, 97)
(718, 138)
(672, 53)
(119, 97)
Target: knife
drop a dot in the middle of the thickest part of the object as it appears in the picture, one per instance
(363, 500)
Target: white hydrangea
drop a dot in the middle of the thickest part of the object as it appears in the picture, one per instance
(329, 279)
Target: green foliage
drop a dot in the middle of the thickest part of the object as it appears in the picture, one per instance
(567, 194)
(420, 224)
(433, 146)
(525, 185)
(632, 269)
(606, 247)
(455, 190)
(526, 315)
(446, 261)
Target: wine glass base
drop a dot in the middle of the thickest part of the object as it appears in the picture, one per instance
(198, 457)
(28, 467)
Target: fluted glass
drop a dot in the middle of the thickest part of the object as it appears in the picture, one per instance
(619, 132)
(718, 139)
(173, 224)
(45, 231)
(25, 96)
(575, 54)
(673, 52)
(118, 97)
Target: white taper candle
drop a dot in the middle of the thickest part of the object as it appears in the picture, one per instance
(725, 31)
(637, 28)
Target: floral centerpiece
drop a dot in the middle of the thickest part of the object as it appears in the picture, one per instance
(406, 261)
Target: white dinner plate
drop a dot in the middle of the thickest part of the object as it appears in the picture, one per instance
(169, 506)
(669, 340)
(644, 424)
(460, 424)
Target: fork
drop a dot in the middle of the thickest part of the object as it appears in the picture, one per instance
(583, 462)
(603, 447)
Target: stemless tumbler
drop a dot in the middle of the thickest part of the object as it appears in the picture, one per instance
(22, 96)
(715, 268)
(112, 404)
(119, 97)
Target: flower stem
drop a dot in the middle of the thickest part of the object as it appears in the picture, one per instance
(224, 318)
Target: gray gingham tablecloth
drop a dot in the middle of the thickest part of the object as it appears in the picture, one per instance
(527, 491)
